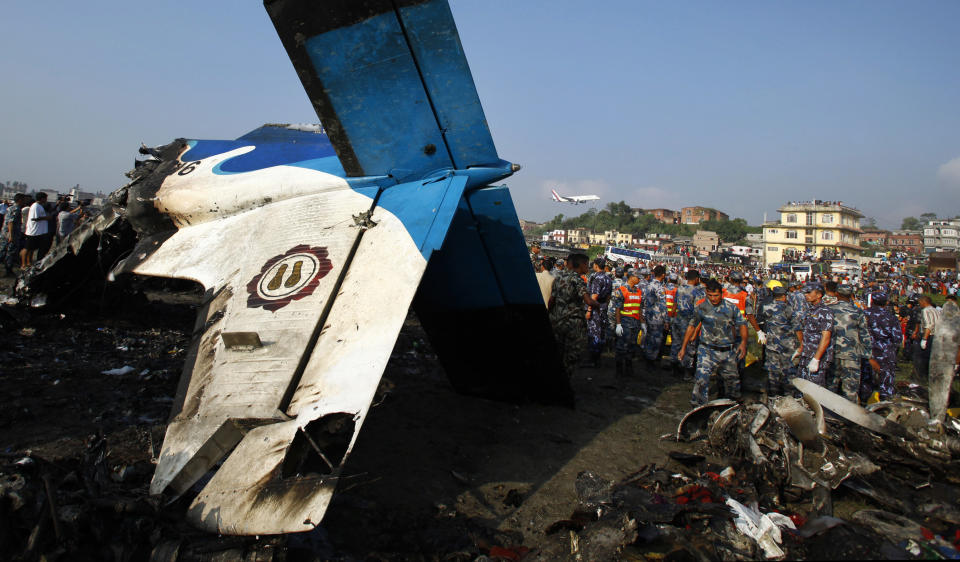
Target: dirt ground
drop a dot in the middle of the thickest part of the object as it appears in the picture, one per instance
(434, 474)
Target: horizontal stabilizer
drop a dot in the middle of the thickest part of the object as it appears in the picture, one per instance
(390, 83)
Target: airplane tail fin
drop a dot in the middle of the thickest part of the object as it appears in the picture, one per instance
(390, 83)
(556, 196)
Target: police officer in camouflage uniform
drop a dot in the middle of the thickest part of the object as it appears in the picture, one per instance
(688, 295)
(11, 239)
(816, 345)
(628, 314)
(567, 315)
(780, 326)
(852, 344)
(654, 316)
(535, 255)
(887, 334)
(796, 300)
(719, 323)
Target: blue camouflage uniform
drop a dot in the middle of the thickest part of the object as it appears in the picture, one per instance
(655, 318)
(780, 324)
(717, 353)
(887, 334)
(799, 303)
(818, 319)
(568, 318)
(687, 298)
(600, 285)
(10, 249)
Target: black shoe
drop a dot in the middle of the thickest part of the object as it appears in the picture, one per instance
(688, 374)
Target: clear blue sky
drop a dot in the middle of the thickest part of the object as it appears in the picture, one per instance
(736, 105)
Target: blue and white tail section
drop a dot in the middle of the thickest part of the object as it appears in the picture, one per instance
(313, 243)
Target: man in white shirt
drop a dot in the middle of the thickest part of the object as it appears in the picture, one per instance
(37, 230)
(929, 316)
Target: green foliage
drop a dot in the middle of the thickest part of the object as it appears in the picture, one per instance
(869, 222)
(911, 223)
(928, 217)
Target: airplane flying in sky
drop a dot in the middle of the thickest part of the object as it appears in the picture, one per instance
(312, 244)
(575, 199)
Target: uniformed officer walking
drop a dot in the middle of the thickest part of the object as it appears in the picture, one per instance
(886, 334)
(688, 295)
(567, 297)
(852, 344)
(816, 351)
(626, 302)
(654, 317)
(779, 334)
(718, 322)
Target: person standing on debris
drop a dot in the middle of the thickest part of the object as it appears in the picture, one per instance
(816, 351)
(67, 220)
(688, 295)
(567, 297)
(886, 333)
(852, 345)
(628, 315)
(929, 316)
(12, 239)
(599, 287)
(780, 326)
(38, 230)
(654, 317)
(719, 324)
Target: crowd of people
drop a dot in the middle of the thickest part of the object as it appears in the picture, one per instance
(32, 225)
(841, 333)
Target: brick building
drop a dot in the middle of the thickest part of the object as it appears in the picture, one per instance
(696, 215)
(905, 241)
(875, 237)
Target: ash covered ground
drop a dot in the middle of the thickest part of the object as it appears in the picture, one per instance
(434, 475)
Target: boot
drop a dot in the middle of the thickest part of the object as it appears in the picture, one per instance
(619, 366)
(628, 367)
(675, 370)
(688, 374)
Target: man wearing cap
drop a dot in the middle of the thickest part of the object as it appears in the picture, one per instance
(796, 300)
(567, 297)
(535, 255)
(718, 322)
(816, 351)
(628, 314)
(654, 316)
(599, 286)
(886, 333)
(780, 326)
(688, 295)
(852, 344)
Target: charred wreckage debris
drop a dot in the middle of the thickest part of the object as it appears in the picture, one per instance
(772, 496)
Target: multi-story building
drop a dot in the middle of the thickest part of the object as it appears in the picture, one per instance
(706, 241)
(577, 236)
(696, 215)
(666, 216)
(905, 241)
(941, 236)
(814, 229)
(597, 239)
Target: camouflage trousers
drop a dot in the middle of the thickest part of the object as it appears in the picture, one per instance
(626, 346)
(780, 371)
(846, 377)
(878, 381)
(597, 329)
(10, 252)
(571, 340)
(678, 327)
(712, 362)
(653, 340)
(820, 377)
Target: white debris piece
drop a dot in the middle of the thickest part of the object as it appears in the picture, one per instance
(126, 369)
(762, 528)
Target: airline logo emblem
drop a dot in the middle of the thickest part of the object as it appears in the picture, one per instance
(290, 276)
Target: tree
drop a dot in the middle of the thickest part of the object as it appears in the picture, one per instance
(911, 223)
(870, 222)
(928, 217)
